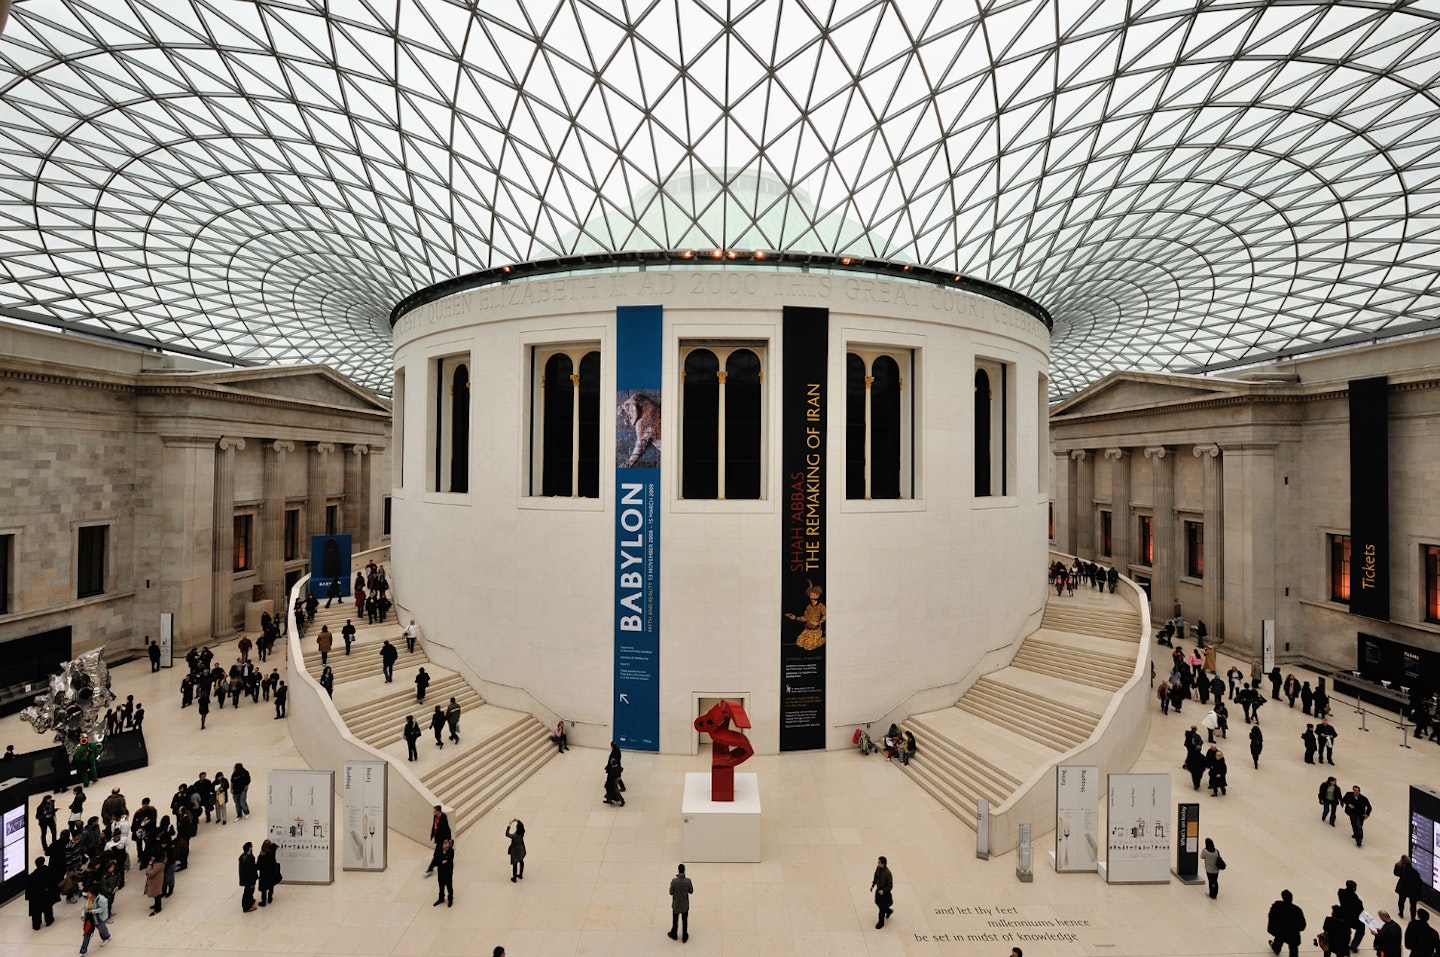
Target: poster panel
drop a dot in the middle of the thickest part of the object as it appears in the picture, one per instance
(636, 559)
(300, 820)
(363, 793)
(329, 562)
(1138, 849)
(1370, 498)
(803, 626)
(1077, 817)
(167, 639)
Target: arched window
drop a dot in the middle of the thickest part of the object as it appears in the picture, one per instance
(449, 420)
(460, 430)
(994, 426)
(877, 425)
(982, 432)
(565, 435)
(722, 421)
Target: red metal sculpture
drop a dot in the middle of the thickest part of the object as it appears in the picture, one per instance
(729, 747)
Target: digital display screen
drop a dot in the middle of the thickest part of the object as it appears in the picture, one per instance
(12, 861)
(1425, 841)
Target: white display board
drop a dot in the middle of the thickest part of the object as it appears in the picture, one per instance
(1077, 817)
(301, 820)
(363, 792)
(1137, 850)
(1267, 643)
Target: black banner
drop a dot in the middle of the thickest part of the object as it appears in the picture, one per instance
(1187, 841)
(1370, 498)
(803, 401)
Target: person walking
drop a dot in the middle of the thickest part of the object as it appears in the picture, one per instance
(1421, 939)
(324, 641)
(437, 724)
(282, 694)
(348, 634)
(444, 863)
(439, 834)
(1329, 798)
(883, 884)
(97, 912)
(240, 789)
(1285, 924)
(516, 833)
(411, 734)
(327, 681)
(681, 888)
(1257, 744)
(1351, 907)
(249, 874)
(1325, 734)
(202, 705)
(1336, 934)
(422, 681)
(1357, 808)
(452, 720)
(1214, 864)
(388, 654)
(412, 634)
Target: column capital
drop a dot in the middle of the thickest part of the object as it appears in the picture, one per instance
(228, 442)
(1156, 451)
(360, 449)
(1079, 455)
(322, 448)
(1211, 450)
(1116, 454)
(281, 445)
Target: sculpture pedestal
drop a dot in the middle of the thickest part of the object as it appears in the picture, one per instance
(720, 832)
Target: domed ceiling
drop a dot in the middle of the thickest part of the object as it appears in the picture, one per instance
(1183, 185)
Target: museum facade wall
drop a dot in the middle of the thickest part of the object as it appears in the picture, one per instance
(522, 566)
(139, 483)
(1258, 465)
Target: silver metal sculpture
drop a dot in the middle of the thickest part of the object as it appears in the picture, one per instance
(73, 704)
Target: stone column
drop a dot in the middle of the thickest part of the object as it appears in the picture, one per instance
(187, 488)
(1162, 582)
(222, 553)
(356, 510)
(272, 533)
(1121, 531)
(1065, 502)
(315, 490)
(1254, 519)
(1085, 503)
(1213, 551)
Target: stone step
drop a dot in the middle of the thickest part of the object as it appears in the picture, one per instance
(473, 787)
(1028, 714)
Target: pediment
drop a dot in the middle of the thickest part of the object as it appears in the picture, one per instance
(311, 384)
(1122, 390)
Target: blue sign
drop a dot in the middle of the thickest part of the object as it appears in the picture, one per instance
(638, 348)
(329, 562)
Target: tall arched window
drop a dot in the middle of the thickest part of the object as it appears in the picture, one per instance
(449, 424)
(994, 426)
(878, 419)
(460, 430)
(982, 432)
(565, 433)
(722, 421)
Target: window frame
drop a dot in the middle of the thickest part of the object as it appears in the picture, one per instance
(1430, 583)
(584, 471)
(862, 458)
(290, 547)
(1338, 558)
(1107, 533)
(242, 542)
(1194, 532)
(85, 559)
(999, 481)
(332, 518)
(7, 571)
(448, 470)
(1145, 534)
(723, 349)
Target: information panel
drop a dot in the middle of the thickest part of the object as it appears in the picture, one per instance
(363, 791)
(1425, 841)
(1077, 817)
(803, 631)
(636, 559)
(1138, 849)
(300, 819)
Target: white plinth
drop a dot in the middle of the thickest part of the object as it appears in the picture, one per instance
(720, 832)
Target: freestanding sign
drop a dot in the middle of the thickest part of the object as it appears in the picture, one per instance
(804, 454)
(1077, 817)
(1267, 643)
(1187, 843)
(300, 819)
(167, 639)
(329, 562)
(636, 559)
(366, 810)
(1138, 850)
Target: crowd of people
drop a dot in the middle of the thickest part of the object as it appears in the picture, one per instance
(207, 681)
(1079, 574)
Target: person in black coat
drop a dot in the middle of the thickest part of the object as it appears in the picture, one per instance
(1257, 743)
(1357, 808)
(1388, 938)
(1337, 934)
(1408, 884)
(411, 734)
(269, 870)
(1195, 764)
(445, 873)
(1215, 761)
(1351, 907)
(1285, 924)
(249, 874)
(1310, 742)
(42, 890)
(437, 724)
(1421, 939)
(422, 681)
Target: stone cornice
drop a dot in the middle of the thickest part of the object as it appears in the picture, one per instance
(120, 383)
(249, 398)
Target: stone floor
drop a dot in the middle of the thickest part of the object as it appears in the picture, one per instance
(596, 876)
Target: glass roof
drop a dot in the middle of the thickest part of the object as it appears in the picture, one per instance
(1184, 185)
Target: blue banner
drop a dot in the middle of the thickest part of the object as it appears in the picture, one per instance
(638, 357)
(329, 562)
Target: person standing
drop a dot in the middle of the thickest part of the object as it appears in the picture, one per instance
(1387, 938)
(202, 705)
(1329, 798)
(1421, 939)
(249, 874)
(1285, 924)
(1408, 884)
(1257, 744)
(883, 884)
(1213, 864)
(282, 694)
(1357, 808)
(97, 912)
(348, 633)
(152, 650)
(1311, 740)
(45, 817)
(268, 866)
(517, 849)
(155, 881)
(1325, 734)
(222, 797)
(240, 788)
(327, 681)
(1234, 675)
(42, 890)
(445, 873)
(452, 720)
(411, 735)
(681, 888)
(388, 654)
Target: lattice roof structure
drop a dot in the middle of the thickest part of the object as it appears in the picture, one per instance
(1183, 185)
